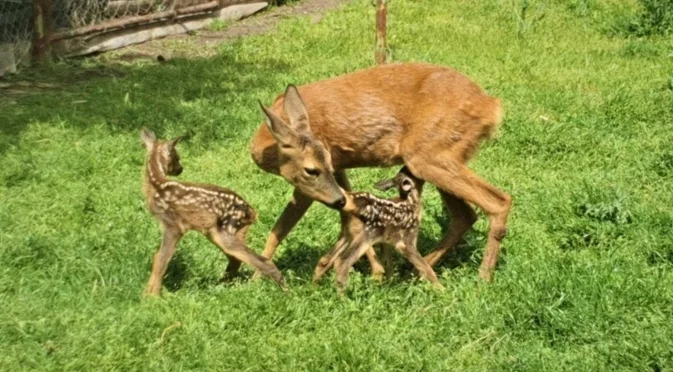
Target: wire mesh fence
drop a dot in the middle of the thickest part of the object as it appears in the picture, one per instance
(16, 30)
(40, 27)
(73, 14)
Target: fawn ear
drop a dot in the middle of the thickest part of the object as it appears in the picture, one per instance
(385, 185)
(148, 138)
(295, 109)
(172, 143)
(407, 185)
(283, 133)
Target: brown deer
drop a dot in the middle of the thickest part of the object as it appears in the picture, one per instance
(429, 117)
(218, 213)
(372, 220)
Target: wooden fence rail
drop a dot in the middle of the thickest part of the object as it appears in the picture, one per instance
(44, 36)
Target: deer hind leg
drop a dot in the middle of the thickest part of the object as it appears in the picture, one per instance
(375, 266)
(233, 246)
(162, 257)
(410, 252)
(462, 218)
(454, 178)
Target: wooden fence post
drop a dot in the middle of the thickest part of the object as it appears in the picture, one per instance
(41, 29)
(381, 20)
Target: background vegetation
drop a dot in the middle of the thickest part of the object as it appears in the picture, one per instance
(585, 280)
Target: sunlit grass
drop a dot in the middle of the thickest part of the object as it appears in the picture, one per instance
(585, 280)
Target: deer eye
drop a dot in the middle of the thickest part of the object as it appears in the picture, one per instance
(312, 172)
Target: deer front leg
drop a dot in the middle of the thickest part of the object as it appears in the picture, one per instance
(163, 256)
(292, 213)
(377, 269)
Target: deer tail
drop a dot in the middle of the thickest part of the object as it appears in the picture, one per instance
(493, 118)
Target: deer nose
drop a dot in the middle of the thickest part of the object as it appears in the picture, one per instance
(340, 203)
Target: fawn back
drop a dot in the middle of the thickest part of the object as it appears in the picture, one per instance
(188, 205)
(216, 212)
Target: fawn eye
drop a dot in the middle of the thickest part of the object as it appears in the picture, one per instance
(312, 172)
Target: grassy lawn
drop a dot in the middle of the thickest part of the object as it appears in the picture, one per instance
(585, 281)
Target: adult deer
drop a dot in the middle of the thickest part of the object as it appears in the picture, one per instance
(429, 117)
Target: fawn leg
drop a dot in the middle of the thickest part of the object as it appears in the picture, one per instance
(292, 213)
(387, 256)
(234, 263)
(345, 260)
(462, 218)
(231, 271)
(233, 246)
(410, 251)
(375, 266)
(162, 257)
(453, 177)
(328, 259)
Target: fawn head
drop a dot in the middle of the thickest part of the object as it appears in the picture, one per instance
(404, 181)
(304, 161)
(163, 152)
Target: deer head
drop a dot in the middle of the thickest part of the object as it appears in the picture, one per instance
(304, 161)
(163, 153)
(405, 183)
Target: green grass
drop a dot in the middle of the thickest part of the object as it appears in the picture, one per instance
(585, 281)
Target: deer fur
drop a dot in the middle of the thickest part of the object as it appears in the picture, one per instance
(218, 213)
(373, 220)
(429, 117)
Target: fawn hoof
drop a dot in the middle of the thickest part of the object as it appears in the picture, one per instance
(229, 277)
(486, 275)
(316, 277)
(256, 275)
(378, 275)
(151, 292)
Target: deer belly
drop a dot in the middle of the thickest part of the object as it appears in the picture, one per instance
(378, 154)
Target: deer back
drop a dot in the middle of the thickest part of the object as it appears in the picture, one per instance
(371, 117)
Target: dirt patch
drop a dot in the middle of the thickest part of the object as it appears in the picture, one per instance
(209, 40)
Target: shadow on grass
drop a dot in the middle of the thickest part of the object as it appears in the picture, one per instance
(177, 272)
(178, 95)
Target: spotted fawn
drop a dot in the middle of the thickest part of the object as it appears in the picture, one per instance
(218, 213)
(372, 220)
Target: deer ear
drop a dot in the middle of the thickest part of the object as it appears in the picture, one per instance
(385, 185)
(148, 137)
(283, 133)
(295, 109)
